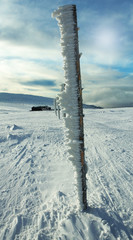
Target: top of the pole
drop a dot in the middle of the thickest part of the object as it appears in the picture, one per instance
(63, 9)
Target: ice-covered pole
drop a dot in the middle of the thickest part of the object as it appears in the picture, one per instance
(55, 107)
(71, 97)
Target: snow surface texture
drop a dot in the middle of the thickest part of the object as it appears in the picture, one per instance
(38, 199)
(69, 96)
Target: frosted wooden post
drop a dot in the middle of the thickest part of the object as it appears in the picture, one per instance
(80, 108)
(71, 97)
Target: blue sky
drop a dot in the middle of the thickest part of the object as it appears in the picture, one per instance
(30, 52)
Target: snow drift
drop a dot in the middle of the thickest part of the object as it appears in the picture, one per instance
(37, 195)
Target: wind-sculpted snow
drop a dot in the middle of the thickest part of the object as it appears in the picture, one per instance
(38, 197)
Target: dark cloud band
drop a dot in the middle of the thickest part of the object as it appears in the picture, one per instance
(43, 82)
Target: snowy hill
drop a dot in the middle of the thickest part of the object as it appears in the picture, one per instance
(31, 100)
(38, 197)
(25, 99)
(91, 106)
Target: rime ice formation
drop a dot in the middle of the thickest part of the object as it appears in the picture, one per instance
(70, 91)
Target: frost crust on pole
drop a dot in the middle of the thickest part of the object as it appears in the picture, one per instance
(69, 96)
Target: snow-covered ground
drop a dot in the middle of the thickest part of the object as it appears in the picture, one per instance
(38, 197)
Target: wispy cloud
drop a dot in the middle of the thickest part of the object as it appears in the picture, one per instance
(26, 24)
(18, 74)
(106, 38)
(30, 58)
(29, 48)
(41, 82)
(110, 97)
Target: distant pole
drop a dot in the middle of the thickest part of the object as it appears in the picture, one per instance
(55, 105)
(58, 111)
(55, 108)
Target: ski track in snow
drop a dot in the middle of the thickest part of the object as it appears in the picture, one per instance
(109, 157)
(38, 197)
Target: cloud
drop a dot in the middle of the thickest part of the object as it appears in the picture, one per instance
(41, 82)
(29, 47)
(9, 50)
(107, 87)
(31, 54)
(18, 74)
(27, 23)
(106, 40)
(95, 76)
(110, 97)
(106, 36)
(27, 36)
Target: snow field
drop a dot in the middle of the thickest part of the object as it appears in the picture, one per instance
(38, 196)
(109, 156)
(29, 172)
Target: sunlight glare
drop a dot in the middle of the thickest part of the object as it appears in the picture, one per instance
(106, 38)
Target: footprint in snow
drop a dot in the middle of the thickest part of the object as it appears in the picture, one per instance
(13, 127)
(19, 137)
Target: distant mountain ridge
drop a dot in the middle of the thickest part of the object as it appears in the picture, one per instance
(91, 106)
(25, 99)
(32, 99)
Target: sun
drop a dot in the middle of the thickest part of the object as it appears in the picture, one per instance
(106, 38)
